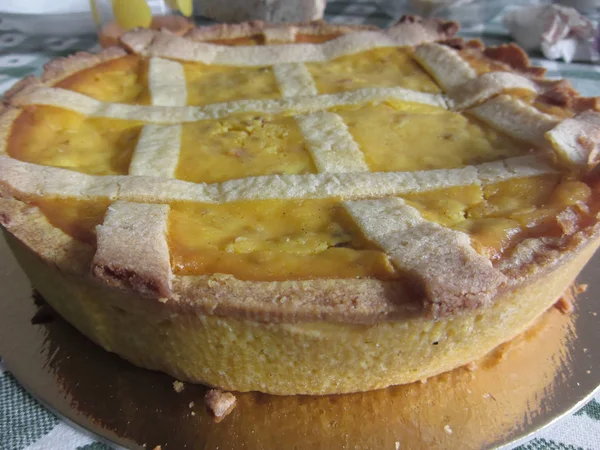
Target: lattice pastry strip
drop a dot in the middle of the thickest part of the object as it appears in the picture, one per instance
(332, 147)
(26, 180)
(148, 270)
(461, 83)
(448, 68)
(91, 107)
(166, 82)
(169, 46)
(330, 143)
(444, 65)
(516, 118)
(453, 275)
(489, 85)
(294, 80)
(157, 151)
(576, 141)
(142, 227)
(450, 270)
(409, 240)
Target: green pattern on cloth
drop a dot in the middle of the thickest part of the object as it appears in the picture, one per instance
(95, 446)
(24, 422)
(543, 444)
(22, 419)
(592, 410)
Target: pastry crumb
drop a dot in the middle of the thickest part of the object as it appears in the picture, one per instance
(397, 444)
(163, 299)
(219, 403)
(193, 413)
(178, 386)
(564, 305)
(471, 366)
(191, 404)
(423, 380)
(447, 429)
(158, 447)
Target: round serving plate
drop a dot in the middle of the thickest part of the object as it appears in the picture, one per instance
(519, 388)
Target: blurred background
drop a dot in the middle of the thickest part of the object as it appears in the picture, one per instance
(81, 17)
(35, 31)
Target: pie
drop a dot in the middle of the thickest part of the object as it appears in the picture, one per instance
(300, 209)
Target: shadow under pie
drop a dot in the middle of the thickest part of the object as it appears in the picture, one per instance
(135, 406)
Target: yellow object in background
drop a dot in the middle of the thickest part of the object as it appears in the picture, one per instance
(185, 7)
(113, 18)
(132, 13)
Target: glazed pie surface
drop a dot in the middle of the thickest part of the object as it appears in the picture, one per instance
(372, 156)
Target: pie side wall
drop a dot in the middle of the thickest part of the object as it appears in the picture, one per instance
(286, 358)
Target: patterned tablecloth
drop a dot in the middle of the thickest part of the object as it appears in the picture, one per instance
(25, 424)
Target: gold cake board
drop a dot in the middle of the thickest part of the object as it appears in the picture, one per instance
(519, 388)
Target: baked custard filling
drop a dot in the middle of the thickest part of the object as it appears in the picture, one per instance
(380, 67)
(208, 84)
(302, 239)
(272, 240)
(57, 137)
(294, 239)
(241, 146)
(400, 136)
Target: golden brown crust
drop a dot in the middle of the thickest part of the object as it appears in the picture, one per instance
(561, 93)
(138, 39)
(565, 305)
(61, 68)
(111, 32)
(350, 301)
(253, 28)
(506, 56)
(535, 257)
(29, 225)
(511, 57)
(445, 28)
(576, 141)
(362, 301)
(515, 58)
(57, 70)
(191, 48)
(8, 115)
(19, 87)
